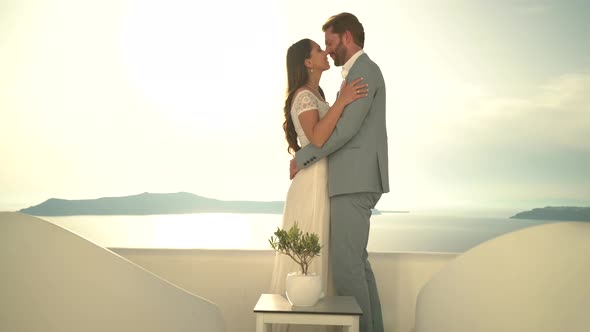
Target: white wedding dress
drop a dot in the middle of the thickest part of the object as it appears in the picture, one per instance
(308, 204)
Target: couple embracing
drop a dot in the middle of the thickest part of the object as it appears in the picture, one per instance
(340, 167)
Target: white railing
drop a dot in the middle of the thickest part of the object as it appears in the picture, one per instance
(234, 279)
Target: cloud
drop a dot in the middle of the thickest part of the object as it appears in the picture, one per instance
(532, 7)
(557, 115)
(530, 148)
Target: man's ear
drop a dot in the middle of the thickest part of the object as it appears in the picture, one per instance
(348, 37)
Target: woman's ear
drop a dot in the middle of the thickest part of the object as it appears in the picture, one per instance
(307, 63)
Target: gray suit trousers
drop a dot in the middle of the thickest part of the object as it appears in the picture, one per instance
(349, 234)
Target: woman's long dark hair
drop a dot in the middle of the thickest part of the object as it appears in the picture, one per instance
(297, 77)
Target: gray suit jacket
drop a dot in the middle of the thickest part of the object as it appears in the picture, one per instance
(357, 149)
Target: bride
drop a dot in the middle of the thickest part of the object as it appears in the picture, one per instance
(309, 120)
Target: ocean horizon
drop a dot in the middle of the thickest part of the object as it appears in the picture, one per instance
(390, 232)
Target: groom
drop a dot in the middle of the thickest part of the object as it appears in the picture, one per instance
(357, 168)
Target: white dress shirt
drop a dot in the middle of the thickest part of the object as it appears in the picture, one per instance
(346, 67)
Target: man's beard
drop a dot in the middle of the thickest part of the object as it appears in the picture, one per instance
(339, 54)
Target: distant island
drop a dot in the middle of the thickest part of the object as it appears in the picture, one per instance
(152, 203)
(562, 213)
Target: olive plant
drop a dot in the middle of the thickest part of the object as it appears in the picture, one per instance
(301, 247)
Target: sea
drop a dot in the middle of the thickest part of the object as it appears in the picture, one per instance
(390, 232)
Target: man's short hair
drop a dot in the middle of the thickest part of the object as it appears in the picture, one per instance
(346, 22)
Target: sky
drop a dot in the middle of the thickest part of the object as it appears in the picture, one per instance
(487, 101)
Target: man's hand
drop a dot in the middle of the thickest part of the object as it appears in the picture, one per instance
(293, 169)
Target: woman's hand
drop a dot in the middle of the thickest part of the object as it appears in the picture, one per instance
(353, 91)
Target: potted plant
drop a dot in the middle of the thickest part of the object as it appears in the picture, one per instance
(303, 288)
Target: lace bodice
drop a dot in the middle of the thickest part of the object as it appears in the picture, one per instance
(304, 101)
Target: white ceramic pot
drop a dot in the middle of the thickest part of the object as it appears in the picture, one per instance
(303, 290)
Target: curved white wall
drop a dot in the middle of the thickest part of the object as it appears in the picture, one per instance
(54, 280)
(536, 279)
